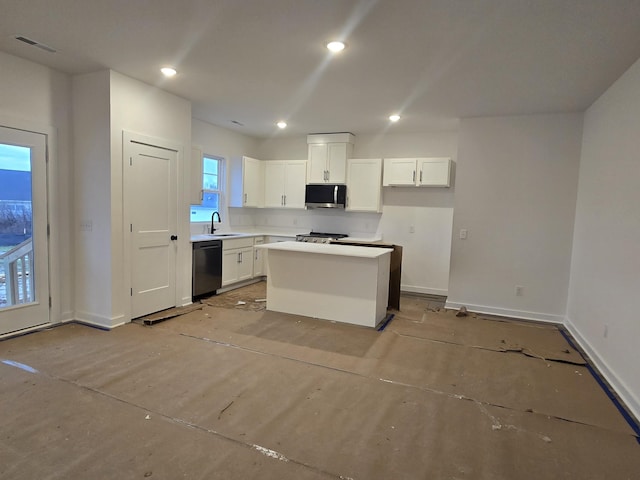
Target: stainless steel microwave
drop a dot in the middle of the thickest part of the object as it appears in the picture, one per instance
(325, 195)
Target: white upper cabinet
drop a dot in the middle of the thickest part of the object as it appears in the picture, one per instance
(246, 182)
(284, 183)
(434, 172)
(364, 185)
(399, 172)
(328, 154)
(417, 172)
(195, 190)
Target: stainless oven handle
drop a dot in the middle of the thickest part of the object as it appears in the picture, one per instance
(335, 194)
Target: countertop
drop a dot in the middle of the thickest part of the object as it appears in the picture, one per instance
(203, 237)
(327, 249)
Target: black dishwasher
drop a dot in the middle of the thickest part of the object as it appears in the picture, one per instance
(207, 267)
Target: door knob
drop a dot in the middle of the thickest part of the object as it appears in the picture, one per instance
(174, 237)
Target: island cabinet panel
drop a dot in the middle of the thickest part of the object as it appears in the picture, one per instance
(349, 284)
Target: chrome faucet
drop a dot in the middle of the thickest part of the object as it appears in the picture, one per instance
(212, 217)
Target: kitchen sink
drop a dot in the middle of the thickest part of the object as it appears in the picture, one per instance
(225, 234)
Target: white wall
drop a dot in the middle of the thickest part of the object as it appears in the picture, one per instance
(38, 98)
(516, 190)
(605, 268)
(92, 158)
(425, 266)
(106, 104)
(146, 110)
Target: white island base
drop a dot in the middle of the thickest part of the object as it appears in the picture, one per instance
(342, 283)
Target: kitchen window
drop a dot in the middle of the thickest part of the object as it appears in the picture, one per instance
(212, 189)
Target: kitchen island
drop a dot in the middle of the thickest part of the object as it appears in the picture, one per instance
(342, 283)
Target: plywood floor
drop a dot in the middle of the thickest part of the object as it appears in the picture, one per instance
(233, 391)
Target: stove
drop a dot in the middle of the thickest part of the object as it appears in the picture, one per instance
(319, 237)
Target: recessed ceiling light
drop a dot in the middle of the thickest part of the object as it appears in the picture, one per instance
(394, 118)
(168, 71)
(336, 46)
(281, 124)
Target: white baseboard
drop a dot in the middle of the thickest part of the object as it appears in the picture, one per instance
(66, 317)
(186, 301)
(627, 396)
(504, 312)
(100, 321)
(425, 290)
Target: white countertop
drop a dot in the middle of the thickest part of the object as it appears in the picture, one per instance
(327, 249)
(203, 237)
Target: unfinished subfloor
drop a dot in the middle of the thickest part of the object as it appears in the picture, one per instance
(235, 392)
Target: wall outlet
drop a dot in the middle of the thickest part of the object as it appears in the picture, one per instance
(463, 234)
(412, 229)
(605, 333)
(519, 290)
(295, 221)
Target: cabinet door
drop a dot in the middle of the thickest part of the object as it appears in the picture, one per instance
(274, 184)
(245, 264)
(337, 162)
(230, 259)
(317, 163)
(294, 183)
(434, 172)
(252, 182)
(258, 258)
(399, 171)
(364, 185)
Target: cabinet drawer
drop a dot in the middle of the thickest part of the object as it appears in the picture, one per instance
(237, 243)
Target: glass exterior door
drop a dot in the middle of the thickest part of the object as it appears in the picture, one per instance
(24, 270)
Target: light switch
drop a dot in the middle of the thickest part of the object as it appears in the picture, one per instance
(463, 234)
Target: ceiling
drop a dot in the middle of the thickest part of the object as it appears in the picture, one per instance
(259, 61)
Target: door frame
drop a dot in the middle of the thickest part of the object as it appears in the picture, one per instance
(50, 134)
(127, 138)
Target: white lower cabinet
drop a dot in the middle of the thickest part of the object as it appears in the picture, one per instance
(258, 257)
(237, 260)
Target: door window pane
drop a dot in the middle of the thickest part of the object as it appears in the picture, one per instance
(16, 226)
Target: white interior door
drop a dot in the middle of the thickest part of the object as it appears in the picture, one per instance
(24, 262)
(151, 203)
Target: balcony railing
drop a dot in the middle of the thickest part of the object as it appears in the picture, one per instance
(16, 279)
